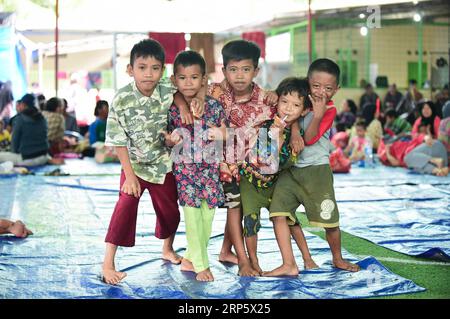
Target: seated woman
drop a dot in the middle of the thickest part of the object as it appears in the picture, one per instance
(56, 125)
(428, 158)
(29, 143)
(428, 118)
(347, 116)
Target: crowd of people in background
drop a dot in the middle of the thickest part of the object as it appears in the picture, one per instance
(43, 132)
(403, 130)
(393, 127)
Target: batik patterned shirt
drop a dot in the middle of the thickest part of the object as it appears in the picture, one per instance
(245, 115)
(197, 173)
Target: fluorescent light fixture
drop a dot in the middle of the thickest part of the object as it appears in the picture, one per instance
(417, 17)
(363, 31)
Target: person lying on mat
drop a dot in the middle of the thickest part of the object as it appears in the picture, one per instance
(16, 228)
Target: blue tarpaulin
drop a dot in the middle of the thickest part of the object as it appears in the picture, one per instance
(70, 215)
(397, 209)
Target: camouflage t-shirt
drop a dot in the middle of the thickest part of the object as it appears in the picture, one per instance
(137, 121)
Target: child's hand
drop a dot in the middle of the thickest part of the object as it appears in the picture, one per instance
(197, 107)
(234, 169)
(428, 140)
(296, 143)
(319, 105)
(186, 115)
(132, 187)
(279, 123)
(172, 139)
(215, 133)
(271, 98)
(19, 229)
(223, 85)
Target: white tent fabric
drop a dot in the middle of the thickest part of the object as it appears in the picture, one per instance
(168, 15)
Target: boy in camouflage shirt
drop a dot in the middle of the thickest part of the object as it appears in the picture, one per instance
(136, 120)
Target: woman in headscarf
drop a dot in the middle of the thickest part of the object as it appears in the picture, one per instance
(428, 120)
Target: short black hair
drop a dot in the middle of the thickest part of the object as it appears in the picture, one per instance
(295, 84)
(325, 65)
(361, 123)
(189, 58)
(148, 48)
(53, 104)
(239, 50)
(391, 113)
(352, 105)
(29, 100)
(99, 105)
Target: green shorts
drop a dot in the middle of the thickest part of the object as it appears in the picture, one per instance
(253, 199)
(310, 186)
(232, 195)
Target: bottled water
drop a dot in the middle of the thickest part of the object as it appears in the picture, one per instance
(368, 156)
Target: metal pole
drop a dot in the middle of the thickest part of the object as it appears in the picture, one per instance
(349, 58)
(41, 67)
(368, 48)
(292, 44)
(114, 61)
(420, 49)
(309, 33)
(56, 46)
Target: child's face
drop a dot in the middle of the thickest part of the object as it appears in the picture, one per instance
(189, 80)
(345, 107)
(146, 71)
(240, 75)
(290, 105)
(103, 112)
(360, 131)
(19, 107)
(323, 84)
(426, 111)
(422, 129)
(389, 119)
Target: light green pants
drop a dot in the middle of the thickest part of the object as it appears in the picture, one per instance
(198, 230)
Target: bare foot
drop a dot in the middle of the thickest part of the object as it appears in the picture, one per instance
(310, 264)
(345, 265)
(111, 276)
(283, 270)
(439, 162)
(442, 171)
(246, 270)
(173, 257)
(205, 275)
(228, 257)
(255, 265)
(186, 265)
